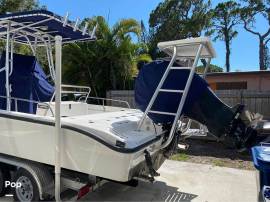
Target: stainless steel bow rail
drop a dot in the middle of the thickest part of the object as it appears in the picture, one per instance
(29, 101)
(110, 100)
(72, 89)
(182, 92)
(85, 91)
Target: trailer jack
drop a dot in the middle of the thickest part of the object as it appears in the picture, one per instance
(153, 173)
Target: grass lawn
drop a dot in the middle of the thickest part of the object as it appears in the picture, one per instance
(214, 153)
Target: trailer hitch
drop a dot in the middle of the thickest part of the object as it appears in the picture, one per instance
(153, 173)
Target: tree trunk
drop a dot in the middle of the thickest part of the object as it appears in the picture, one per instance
(113, 78)
(261, 54)
(228, 53)
(91, 82)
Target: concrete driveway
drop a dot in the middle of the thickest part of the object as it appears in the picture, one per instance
(180, 181)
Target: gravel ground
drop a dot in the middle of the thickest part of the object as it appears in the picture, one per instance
(214, 153)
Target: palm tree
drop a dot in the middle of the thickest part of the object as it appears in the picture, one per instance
(110, 62)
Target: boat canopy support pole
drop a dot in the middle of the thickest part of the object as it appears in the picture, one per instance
(184, 96)
(11, 53)
(30, 45)
(206, 67)
(203, 128)
(158, 87)
(58, 134)
(7, 67)
(50, 58)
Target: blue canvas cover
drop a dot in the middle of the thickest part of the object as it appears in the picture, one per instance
(45, 22)
(148, 80)
(28, 81)
(201, 104)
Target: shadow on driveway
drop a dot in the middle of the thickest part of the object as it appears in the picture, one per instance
(158, 191)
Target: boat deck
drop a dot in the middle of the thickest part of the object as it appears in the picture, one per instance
(115, 126)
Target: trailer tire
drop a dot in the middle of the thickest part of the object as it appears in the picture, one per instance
(28, 191)
(4, 176)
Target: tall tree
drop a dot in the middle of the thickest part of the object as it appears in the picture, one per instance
(17, 5)
(249, 13)
(212, 68)
(266, 57)
(178, 19)
(224, 18)
(144, 34)
(108, 63)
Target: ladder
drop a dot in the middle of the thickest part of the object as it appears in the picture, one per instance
(182, 92)
(203, 129)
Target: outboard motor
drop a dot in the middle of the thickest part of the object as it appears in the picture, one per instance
(201, 104)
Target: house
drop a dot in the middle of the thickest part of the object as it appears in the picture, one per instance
(251, 80)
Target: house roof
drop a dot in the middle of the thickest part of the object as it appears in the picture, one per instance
(262, 72)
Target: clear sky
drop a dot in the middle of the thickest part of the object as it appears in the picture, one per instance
(244, 48)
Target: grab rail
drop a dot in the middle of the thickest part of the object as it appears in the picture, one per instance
(87, 93)
(74, 91)
(105, 99)
(27, 100)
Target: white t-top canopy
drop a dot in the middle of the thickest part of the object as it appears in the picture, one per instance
(187, 48)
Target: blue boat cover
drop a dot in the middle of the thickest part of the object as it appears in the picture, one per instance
(148, 80)
(46, 23)
(28, 81)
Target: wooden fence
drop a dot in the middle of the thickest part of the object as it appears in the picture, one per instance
(125, 95)
(258, 102)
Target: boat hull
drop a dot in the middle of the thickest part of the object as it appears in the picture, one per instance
(34, 140)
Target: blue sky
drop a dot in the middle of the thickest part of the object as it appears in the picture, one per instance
(244, 48)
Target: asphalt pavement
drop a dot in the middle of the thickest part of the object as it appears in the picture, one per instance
(184, 182)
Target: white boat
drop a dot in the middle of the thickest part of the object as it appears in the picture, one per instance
(114, 143)
(96, 140)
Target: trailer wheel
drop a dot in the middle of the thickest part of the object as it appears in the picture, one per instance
(4, 176)
(27, 189)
